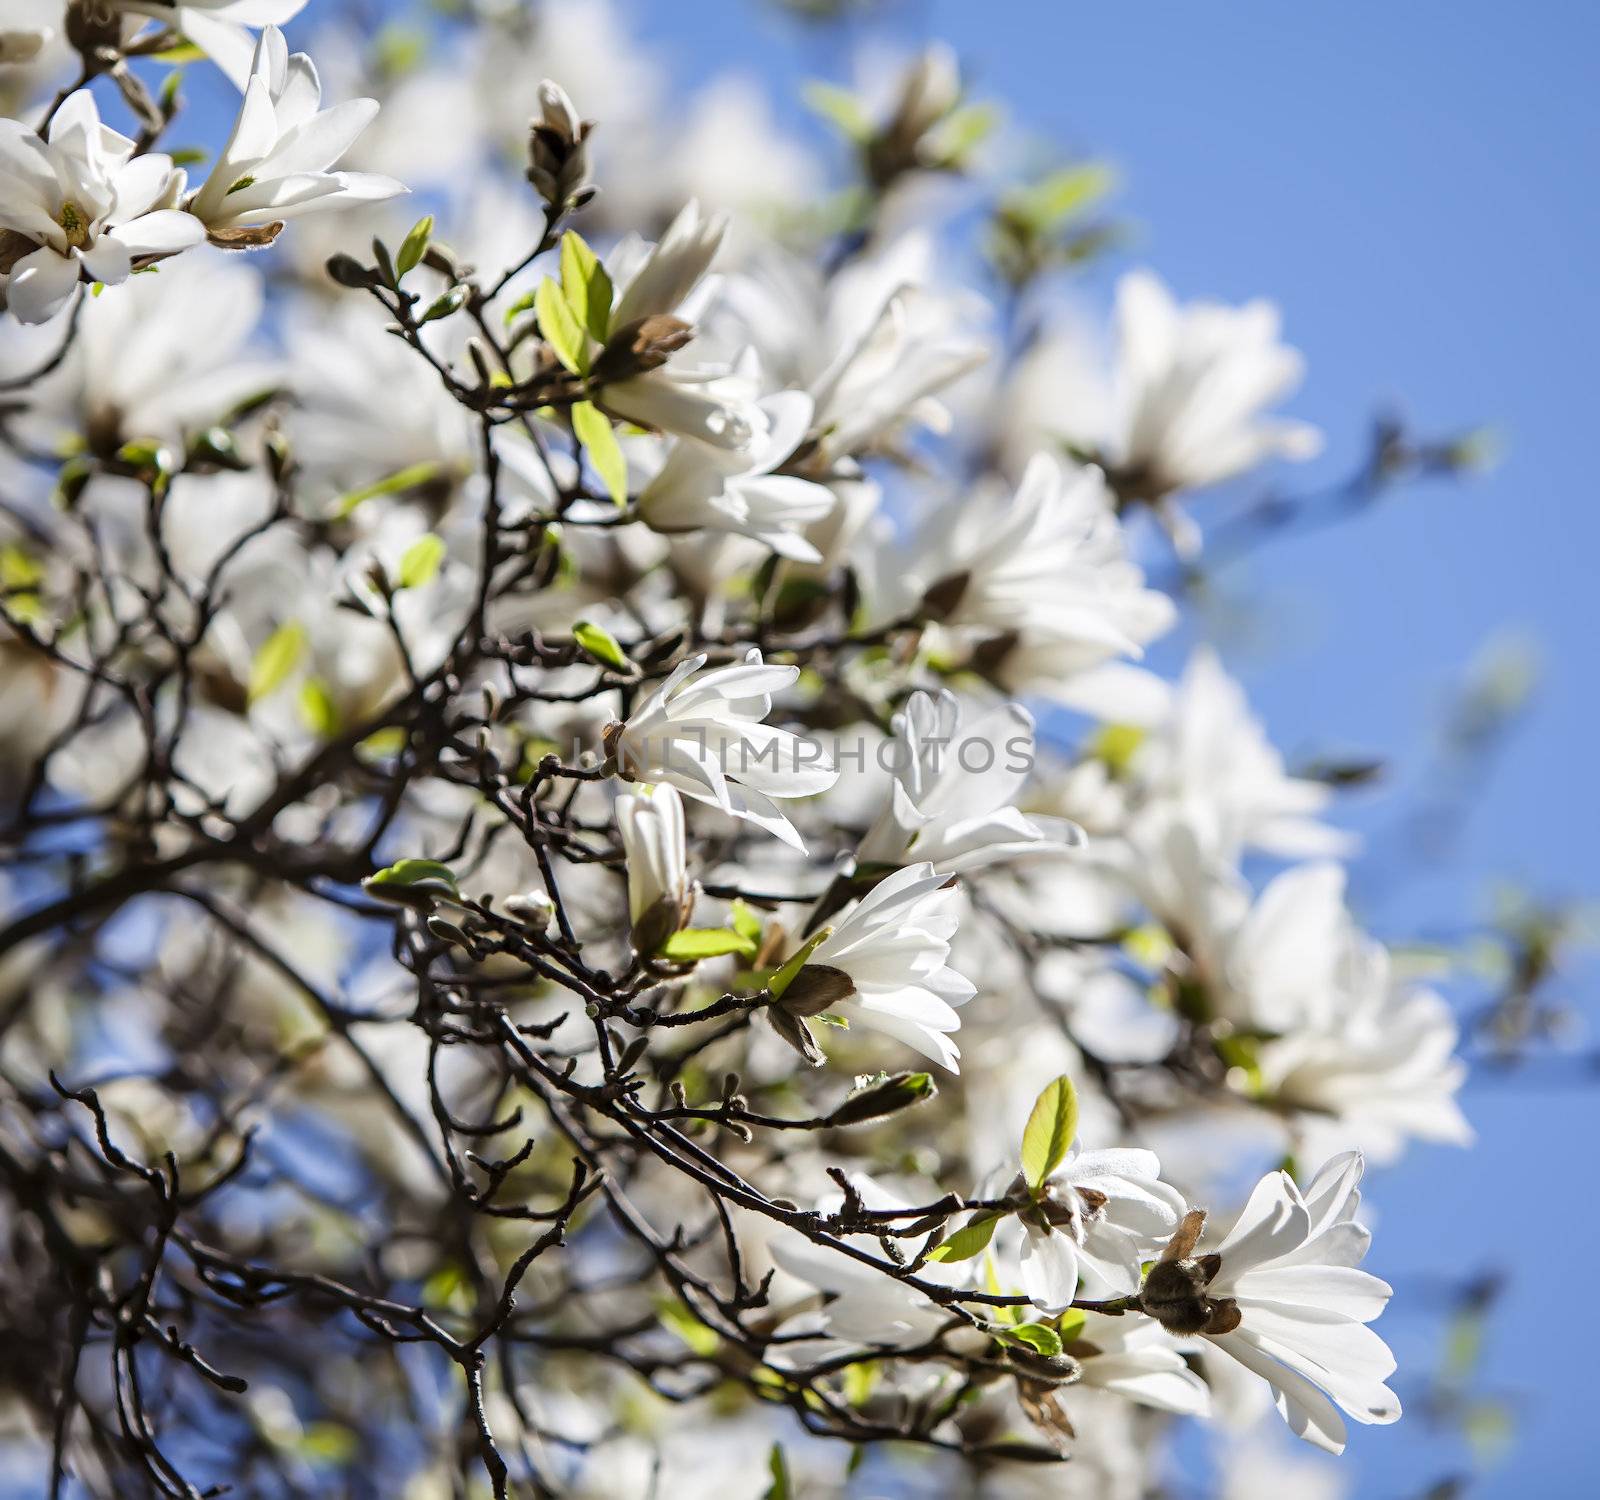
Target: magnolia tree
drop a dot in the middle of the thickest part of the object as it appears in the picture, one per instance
(599, 902)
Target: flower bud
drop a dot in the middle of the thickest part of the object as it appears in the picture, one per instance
(886, 1097)
(94, 25)
(558, 159)
(532, 907)
(1050, 1369)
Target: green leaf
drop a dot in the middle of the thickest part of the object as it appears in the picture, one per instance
(147, 455)
(694, 943)
(445, 304)
(859, 1382)
(560, 327)
(744, 920)
(412, 874)
(696, 1336)
(1065, 194)
(414, 246)
(392, 484)
(1040, 1337)
(382, 743)
(178, 54)
(839, 107)
(599, 439)
(1070, 1324)
(601, 645)
(964, 130)
(329, 1442)
(785, 975)
(1050, 1130)
(276, 659)
(420, 561)
(585, 285)
(520, 306)
(317, 708)
(1116, 745)
(971, 1239)
(781, 1488)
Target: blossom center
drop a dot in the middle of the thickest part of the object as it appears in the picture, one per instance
(74, 224)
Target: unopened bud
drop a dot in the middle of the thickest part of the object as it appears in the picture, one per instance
(348, 271)
(1052, 1369)
(532, 907)
(886, 1097)
(558, 158)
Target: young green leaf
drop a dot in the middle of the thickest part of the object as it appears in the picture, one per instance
(420, 561)
(416, 875)
(745, 920)
(317, 708)
(276, 659)
(1070, 1324)
(601, 645)
(561, 329)
(781, 1488)
(971, 1239)
(586, 285)
(445, 303)
(390, 484)
(839, 107)
(1065, 194)
(786, 974)
(696, 1335)
(599, 440)
(695, 943)
(1040, 1337)
(1050, 1130)
(414, 246)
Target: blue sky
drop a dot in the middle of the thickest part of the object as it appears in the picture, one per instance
(1413, 184)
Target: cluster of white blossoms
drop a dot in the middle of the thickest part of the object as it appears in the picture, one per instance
(648, 668)
(82, 203)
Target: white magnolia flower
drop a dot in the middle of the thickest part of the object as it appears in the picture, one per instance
(25, 28)
(1043, 578)
(1375, 1067)
(1349, 1056)
(1100, 1215)
(653, 840)
(883, 965)
(655, 283)
(702, 732)
(1192, 383)
(1136, 1359)
(88, 203)
(865, 1307)
(219, 28)
(138, 370)
(339, 356)
(872, 346)
(955, 785)
(1210, 754)
(279, 158)
(1283, 1295)
(701, 488)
